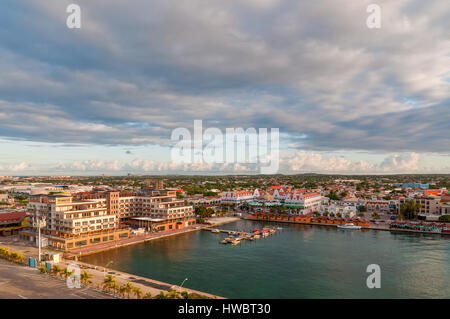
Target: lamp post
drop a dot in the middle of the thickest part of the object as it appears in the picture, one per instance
(39, 223)
(104, 269)
(183, 282)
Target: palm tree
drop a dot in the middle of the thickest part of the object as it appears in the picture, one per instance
(66, 273)
(147, 296)
(409, 209)
(85, 277)
(161, 295)
(108, 282)
(128, 288)
(138, 292)
(55, 270)
(115, 287)
(173, 294)
(121, 291)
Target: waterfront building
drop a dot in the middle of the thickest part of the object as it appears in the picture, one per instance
(429, 206)
(382, 206)
(335, 208)
(306, 202)
(74, 223)
(239, 196)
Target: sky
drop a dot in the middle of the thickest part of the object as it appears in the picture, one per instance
(106, 98)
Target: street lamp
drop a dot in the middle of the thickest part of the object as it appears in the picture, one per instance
(39, 223)
(104, 269)
(183, 282)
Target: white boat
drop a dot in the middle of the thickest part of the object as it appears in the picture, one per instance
(216, 231)
(349, 226)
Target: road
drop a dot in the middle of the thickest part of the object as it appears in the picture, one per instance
(21, 282)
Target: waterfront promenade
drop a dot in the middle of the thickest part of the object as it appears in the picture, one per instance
(381, 226)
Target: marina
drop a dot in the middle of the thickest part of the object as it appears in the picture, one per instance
(235, 237)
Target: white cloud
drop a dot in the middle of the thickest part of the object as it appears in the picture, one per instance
(315, 162)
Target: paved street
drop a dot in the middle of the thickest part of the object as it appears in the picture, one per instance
(21, 282)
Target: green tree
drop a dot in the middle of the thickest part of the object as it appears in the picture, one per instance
(108, 282)
(66, 273)
(128, 288)
(147, 296)
(409, 209)
(55, 270)
(85, 277)
(161, 295)
(137, 292)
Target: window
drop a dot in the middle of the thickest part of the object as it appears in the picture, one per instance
(81, 243)
(123, 235)
(95, 240)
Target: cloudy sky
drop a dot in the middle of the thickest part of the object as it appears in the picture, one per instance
(105, 98)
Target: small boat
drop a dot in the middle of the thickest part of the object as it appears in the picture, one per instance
(255, 230)
(215, 231)
(235, 242)
(265, 233)
(279, 228)
(224, 241)
(257, 236)
(349, 226)
(272, 230)
(229, 240)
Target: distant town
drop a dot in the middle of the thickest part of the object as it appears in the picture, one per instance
(89, 211)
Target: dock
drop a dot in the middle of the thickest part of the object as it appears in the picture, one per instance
(241, 235)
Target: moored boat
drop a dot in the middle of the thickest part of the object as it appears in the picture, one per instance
(215, 231)
(349, 226)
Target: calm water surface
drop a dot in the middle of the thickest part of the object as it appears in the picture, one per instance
(300, 261)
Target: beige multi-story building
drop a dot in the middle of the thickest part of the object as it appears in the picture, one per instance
(429, 205)
(73, 223)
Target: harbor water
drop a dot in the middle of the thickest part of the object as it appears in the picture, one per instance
(299, 261)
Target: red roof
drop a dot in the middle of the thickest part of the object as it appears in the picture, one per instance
(12, 216)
